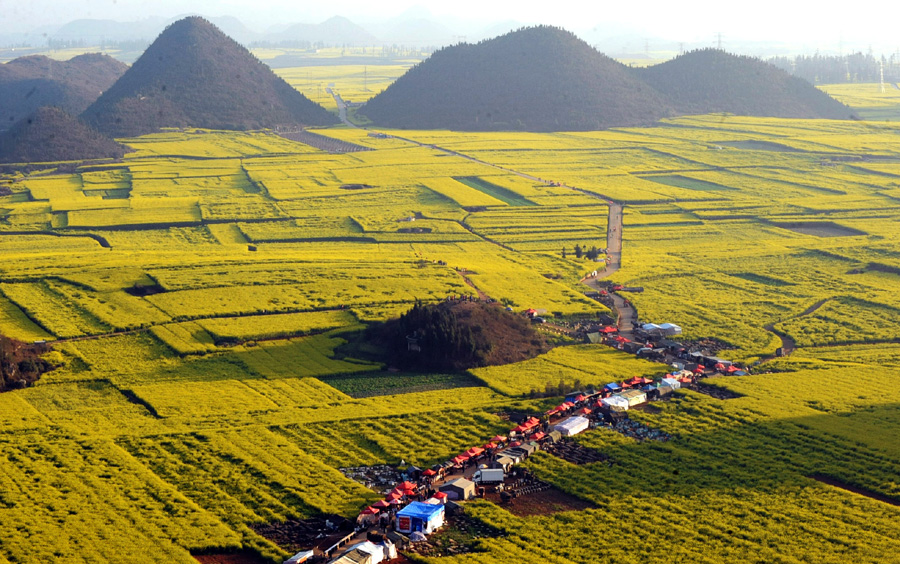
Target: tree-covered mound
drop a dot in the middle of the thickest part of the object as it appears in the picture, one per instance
(194, 75)
(51, 135)
(457, 335)
(534, 79)
(27, 83)
(711, 81)
(20, 363)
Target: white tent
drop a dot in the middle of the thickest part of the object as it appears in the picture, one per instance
(672, 383)
(375, 550)
(615, 401)
(670, 329)
(572, 425)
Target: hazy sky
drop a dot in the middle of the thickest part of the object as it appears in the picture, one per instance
(795, 21)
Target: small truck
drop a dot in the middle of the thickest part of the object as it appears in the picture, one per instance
(488, 476)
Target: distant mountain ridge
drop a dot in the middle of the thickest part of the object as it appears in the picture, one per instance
(50, 135)
(28, 83)
(536, 79)
(193, 75)
(333, 31)
(544, 78)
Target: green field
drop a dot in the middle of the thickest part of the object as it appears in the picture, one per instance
(200, 294)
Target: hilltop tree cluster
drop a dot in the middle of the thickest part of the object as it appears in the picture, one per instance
(457, 335)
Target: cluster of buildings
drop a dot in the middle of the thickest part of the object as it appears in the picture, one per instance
(417, 506)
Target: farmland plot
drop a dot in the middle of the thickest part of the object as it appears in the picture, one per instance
(242, 260)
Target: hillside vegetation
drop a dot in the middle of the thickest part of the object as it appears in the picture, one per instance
(194, 75)
(50, 134)
(27, 83)
(535, 79)
(713, 81)
(546, 79)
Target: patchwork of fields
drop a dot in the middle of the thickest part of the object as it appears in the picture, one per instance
(197, 296)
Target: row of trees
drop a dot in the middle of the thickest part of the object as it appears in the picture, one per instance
(834, 69)
(583, 252)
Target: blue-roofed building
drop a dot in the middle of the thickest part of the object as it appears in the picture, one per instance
(421, 517)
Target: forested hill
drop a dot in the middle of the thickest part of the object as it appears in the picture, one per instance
(194, 75)
(711, 80)
(50, 135)
(28, 83)
(535, 79)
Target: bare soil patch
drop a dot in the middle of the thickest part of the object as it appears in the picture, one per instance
(545, 502)
(575, 453)
(242, 557)
(715, 391)
(297, 535)
(457, 536)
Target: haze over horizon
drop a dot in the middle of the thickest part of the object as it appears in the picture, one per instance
(798, 27)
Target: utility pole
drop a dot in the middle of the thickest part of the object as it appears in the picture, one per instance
(719, 41)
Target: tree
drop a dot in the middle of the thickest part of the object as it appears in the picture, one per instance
(578, 251)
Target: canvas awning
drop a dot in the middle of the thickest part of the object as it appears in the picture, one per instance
(499, 438)
(429, 472)
(609, 329)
